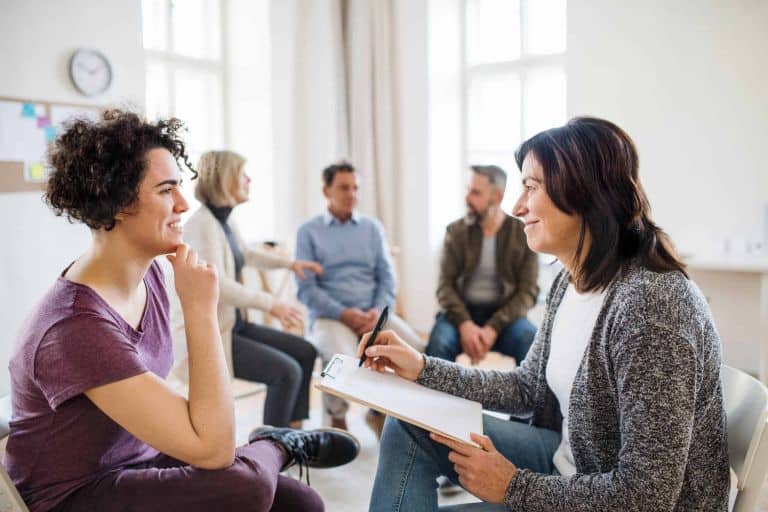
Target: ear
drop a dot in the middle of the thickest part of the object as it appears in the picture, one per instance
(325, 191)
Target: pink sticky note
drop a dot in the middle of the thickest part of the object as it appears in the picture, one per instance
(42, 122)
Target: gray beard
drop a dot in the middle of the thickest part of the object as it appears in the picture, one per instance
(475, 218)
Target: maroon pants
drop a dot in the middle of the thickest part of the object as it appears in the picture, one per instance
(253, 483)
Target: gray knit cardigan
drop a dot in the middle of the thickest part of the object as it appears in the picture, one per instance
(646, 419)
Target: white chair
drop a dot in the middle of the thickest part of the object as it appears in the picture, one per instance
(746, 408)
(10, 501)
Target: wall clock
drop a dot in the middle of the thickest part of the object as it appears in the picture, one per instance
(90, 71)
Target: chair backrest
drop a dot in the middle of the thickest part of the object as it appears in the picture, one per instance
(10, 500)
(746, 407)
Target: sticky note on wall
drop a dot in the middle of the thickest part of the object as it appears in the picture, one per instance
(35, 171)
(28, 110)
(50, 133)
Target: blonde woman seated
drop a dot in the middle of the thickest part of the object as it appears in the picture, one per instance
(254, 352)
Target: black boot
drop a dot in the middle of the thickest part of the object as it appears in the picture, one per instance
(319, 448)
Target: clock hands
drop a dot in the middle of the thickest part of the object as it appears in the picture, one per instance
(90, 71)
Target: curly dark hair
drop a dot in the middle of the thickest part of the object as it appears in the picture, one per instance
(97, 165)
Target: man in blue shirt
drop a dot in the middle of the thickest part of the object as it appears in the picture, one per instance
(357, 282)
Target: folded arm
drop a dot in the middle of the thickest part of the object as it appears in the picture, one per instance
(199, 430)
(505, 391)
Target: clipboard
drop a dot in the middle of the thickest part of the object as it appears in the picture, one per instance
(432, 410)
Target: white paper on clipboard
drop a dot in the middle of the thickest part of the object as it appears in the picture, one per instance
(429, 409)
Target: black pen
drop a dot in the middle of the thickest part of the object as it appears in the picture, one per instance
(379, 324)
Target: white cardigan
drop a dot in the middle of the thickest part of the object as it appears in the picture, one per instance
(204, 234)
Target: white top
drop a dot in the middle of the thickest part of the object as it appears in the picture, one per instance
(571, 332)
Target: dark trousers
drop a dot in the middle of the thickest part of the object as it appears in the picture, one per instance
(252, 483)
(280, 360)
(514, 340)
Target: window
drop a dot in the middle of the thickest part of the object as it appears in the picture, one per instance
(514, 78)
(208, 63)
(185, 70)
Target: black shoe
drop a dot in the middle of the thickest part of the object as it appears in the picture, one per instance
(319, 448)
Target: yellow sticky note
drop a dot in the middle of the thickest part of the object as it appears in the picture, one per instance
(36, 172)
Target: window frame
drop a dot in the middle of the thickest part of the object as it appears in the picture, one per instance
(172, 61)
(521, 67)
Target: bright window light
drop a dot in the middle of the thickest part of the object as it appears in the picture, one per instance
(197, 28)
(515, 80)
(155, 24)
(494, 111)
(492, 30)
(544, 105)
(544, 22)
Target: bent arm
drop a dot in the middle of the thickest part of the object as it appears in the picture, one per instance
(263, 259)
(200, 430)
(505, 391)
(237, 294)
(258, 257)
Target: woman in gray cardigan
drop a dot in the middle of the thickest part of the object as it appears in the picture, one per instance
(622, 383)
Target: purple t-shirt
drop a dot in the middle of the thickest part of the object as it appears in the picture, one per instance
(75, 341)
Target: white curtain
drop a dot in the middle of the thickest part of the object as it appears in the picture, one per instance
(371, 104)
(334, 77)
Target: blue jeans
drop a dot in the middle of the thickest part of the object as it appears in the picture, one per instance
(513, 341)
(410, 462)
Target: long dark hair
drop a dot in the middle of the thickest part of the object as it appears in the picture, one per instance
(591, 170)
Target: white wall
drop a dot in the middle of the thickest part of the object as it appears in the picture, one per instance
(689, 82)
(36, 39)
(248, 87)
(418, 269)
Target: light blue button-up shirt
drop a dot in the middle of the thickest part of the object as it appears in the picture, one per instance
(357, 267)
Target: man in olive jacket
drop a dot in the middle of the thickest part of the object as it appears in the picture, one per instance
(487, 278)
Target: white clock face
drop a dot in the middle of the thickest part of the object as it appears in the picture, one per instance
(90, 72)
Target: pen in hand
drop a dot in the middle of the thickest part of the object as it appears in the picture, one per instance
(372, 338)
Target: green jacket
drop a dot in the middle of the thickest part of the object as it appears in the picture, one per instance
(516, 265)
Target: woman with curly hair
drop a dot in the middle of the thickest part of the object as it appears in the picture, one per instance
(622, 383)
(95, 426)
(254, 352)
